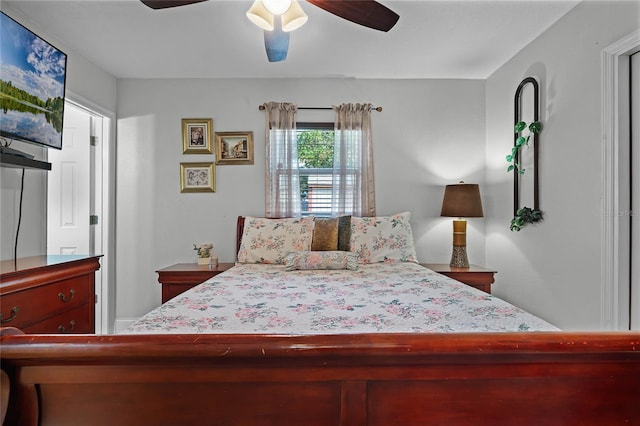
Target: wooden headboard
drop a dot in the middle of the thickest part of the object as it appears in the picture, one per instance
(239, 231)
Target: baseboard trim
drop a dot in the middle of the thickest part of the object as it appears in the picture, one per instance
(122, 324)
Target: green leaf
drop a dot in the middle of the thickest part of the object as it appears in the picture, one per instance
(516, 223)
(511, 167)
(521, 171)
(526, 215)
(521, 141)
(509, 158)
(535, 127)
(520, 126)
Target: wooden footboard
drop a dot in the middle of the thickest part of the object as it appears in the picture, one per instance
(407, 379)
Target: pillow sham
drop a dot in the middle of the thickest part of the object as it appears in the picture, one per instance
(383, 238)
(267, 240)
(325, 234)
(344, 233)
(315, 260)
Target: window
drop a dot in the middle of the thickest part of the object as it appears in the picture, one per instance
(315, 162)
(333, 172)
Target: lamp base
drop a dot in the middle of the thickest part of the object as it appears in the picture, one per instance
(459, 257)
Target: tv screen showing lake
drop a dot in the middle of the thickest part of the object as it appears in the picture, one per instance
(32, 85)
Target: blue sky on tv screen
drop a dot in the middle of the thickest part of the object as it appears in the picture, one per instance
(30, 63)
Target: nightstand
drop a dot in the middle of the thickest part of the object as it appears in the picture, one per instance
(178, 278)
(475, 276)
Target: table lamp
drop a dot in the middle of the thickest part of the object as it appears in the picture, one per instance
(461, 200)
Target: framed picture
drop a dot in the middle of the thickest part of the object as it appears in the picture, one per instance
(197, 135)
(197, 177)
(234, 147)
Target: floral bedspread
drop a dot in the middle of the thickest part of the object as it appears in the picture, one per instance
(382, 297)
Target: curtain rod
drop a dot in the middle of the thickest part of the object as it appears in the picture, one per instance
(261, 108)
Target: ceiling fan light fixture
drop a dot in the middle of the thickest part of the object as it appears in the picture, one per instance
(277, 7)
(259, 15)
(276, 43)
(293, 18)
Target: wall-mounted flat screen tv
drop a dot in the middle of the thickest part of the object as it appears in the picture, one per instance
(32, 84)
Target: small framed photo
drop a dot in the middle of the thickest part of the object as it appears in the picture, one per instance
(234, 147)
(197, 135)
(197, 177)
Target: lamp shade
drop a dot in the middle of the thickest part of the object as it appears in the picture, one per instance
(260, 16)
(293, 18)
(462, 200)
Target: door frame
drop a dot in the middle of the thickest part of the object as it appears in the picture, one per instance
(634, 178)
(104, 192)
(616, 210)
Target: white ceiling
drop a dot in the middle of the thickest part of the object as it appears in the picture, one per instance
(466, 39)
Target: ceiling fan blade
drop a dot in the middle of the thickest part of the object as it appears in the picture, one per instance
(276, 42)
(368, 13)
(164, 4)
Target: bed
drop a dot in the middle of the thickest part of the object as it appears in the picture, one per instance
(297, 333)
(393, 297)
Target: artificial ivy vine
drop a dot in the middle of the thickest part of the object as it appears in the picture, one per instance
(521, 141)
(523, 215)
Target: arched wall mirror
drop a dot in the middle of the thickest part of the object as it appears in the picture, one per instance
(525, 176)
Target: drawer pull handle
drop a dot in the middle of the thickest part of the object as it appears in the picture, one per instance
(14, 314)
(72, 325)
(65, 299)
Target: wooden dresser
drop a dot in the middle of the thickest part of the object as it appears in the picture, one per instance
(49, 294)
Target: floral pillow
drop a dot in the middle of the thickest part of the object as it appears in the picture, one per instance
(314, 260)
(383, 238)
(269, 240)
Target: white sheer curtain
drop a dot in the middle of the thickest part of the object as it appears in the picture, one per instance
(353, 185)
(282, 178)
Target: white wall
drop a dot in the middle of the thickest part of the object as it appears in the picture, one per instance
(85, 80)
(430, 133)
(32, 237)
(553, 269)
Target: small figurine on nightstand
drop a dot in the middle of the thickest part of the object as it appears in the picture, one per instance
(204, 253)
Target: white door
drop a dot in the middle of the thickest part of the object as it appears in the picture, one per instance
(79, 188)
(635, 192)
(69, 189)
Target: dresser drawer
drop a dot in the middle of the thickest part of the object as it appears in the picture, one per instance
(26, 307)
(79, 320)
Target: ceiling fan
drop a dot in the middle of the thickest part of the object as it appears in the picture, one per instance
(368, 13)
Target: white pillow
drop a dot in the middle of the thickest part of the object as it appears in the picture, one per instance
(383, 238)
(269, 240)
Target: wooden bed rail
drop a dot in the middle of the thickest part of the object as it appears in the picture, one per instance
(364, 379)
